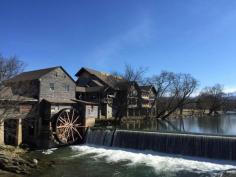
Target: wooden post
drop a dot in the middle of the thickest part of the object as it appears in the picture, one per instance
(139, 124)
(106, 116)
(127, 125)
(1, 132)
(18, 132)
(127, 112)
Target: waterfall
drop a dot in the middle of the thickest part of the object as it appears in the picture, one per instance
(220, 147)
(99, 137)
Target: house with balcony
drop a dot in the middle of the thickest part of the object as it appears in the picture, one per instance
(147, 99)
(133, 100)
(114, 95)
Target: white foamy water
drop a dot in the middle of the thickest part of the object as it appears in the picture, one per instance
(49, 151)
(160, 162)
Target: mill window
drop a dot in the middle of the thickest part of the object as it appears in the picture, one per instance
(51, 85)
(67, 87)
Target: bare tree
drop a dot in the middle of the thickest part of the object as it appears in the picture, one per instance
(229, 103)
(9, 67)
(130, 76)
(134, 75)
(212, 99)
(173, 92)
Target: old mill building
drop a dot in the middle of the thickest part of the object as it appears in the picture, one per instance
(47, 108)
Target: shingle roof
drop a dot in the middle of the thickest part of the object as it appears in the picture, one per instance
(31, 75)
(35, 74)
(110, 80)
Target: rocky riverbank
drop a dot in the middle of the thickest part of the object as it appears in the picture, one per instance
(12, 160)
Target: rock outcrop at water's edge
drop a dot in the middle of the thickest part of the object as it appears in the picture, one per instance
(11, 161)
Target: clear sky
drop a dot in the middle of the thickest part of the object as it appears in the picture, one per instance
(189, 36)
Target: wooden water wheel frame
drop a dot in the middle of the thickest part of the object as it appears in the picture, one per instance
(69, 126)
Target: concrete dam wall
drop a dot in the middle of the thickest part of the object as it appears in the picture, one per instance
(209, 146)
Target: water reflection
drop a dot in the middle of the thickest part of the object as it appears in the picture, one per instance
(222, 125)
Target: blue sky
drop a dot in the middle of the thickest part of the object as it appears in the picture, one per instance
(189, 36)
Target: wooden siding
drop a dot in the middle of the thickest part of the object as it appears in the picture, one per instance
(60, 79)
(25, 108)
(91, 113)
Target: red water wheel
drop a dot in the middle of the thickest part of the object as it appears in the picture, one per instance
(69, 126)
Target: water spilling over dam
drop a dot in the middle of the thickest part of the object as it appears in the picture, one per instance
(209, 146)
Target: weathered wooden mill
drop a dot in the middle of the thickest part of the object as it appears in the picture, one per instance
(39, 108)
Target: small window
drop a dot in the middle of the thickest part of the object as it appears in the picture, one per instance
(56, 74)
(51, 85)
(67, 87)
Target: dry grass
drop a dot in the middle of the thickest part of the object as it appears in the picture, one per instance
(11, 151)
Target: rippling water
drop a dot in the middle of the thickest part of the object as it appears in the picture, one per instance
(94, 161)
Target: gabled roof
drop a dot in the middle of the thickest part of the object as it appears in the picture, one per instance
(35, 74)
(110, 80)
(31, 75)
(147, 88)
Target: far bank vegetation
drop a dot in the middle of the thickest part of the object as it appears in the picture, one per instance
(178, 94)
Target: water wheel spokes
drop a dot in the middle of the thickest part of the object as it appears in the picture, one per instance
(69, 126)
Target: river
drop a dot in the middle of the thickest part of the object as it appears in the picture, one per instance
(95, 161)
(221, 125)
(99, 161)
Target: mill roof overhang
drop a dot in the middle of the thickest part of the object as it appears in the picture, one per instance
(114, 82)
(35, 75)
(85, 102)
(6, 94)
